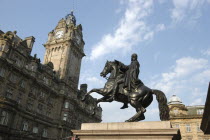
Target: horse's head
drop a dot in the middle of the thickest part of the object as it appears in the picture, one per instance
(107, 69)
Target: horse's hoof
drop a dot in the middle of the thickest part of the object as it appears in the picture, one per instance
(130, 120)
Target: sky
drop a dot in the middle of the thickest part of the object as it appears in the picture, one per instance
(171, 39)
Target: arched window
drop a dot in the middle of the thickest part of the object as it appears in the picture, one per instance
(25, 126)
(4, 118)
(55, 49)
(44, 134)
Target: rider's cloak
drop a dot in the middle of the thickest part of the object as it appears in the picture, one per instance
(131, 77)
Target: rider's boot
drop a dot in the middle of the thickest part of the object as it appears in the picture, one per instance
(125, 105)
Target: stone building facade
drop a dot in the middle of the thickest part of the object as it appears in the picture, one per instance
(187, 119)
(42, 101)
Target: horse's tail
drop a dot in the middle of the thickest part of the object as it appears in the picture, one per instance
(163, 107)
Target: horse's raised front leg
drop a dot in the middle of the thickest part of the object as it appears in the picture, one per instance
(98, 90)
(104, 99)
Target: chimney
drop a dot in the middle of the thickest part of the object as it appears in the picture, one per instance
(30, 42)
(83, 88)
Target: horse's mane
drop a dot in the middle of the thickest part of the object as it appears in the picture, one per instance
(120, 65)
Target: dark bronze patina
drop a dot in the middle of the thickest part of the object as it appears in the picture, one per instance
(123, 85)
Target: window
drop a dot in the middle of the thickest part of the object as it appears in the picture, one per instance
(48, 113)
(44, 134)
(176, 125)
(9, 93)
(42, 94)
(40, 108)
(175, 111)
(198, 127)
(35, 130)
(66, 104)
(65, 115)
(2, 72)
(200, 111)
(4, 118)
(25, 126)
(22, 84)
(45, 80)
(50, 101)
(18, 60)
(33, 91)
(13, 78)
(33, 68)
(19, 98)
(30, 104)
(188, 128)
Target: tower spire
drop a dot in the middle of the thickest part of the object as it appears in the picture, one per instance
(70, 18)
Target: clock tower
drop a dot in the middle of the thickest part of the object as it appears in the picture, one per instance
(65, 49)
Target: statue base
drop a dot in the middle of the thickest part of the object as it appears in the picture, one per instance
(159, 130)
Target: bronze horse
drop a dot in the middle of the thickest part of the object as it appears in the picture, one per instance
(139, 98)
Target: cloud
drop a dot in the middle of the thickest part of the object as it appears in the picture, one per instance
(93, 81)
(206, 52)
(187, 77)
(160, 27)
(189, 9)
(131, 30)
(198, 101)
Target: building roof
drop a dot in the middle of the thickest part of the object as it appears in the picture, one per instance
(174, 100)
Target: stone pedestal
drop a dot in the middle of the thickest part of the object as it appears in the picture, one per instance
(128, 131)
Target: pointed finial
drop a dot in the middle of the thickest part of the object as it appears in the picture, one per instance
(72, 12)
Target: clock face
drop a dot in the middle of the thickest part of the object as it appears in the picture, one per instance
(59, 34)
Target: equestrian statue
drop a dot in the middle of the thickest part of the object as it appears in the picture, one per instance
(123, 85)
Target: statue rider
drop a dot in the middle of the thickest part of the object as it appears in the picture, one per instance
(131, 76)
(130, 80)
